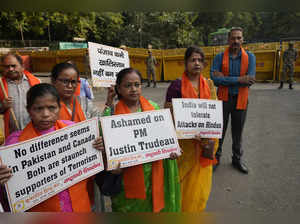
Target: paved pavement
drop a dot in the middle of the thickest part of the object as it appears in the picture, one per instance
(272, 152)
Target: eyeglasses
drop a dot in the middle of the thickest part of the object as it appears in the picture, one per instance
(201, 60)
(67, 82)
(130, 85)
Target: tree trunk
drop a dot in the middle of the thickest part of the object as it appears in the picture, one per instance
(49, 36)
(22, 36)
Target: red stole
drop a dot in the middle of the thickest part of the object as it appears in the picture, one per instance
(243, 91)
(133, 177)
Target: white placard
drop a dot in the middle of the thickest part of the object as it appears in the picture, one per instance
(132, 139)
(194, 116)
(46, 165)
(105, 63)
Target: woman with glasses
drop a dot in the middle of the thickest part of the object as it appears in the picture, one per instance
(65, 78)
(149, 187)
(195, 164)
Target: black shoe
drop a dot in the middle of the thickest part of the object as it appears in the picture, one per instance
(154, 85)
(217, 164)
(291, 86)
(281, 85)
(240, 166)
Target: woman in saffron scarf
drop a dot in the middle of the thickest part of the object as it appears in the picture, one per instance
(149, 187)
(195, 170)
(65, 78)
(43, 106)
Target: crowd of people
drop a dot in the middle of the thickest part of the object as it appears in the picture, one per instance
(178, 183)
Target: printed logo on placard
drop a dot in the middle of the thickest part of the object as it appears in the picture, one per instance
(19, 206)
(112, 163)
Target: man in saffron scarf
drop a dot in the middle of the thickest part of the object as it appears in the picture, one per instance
(233, 71)
(17, 82)
(195, 170)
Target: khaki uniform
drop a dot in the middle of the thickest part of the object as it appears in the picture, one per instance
(289, 58)
(151, 62)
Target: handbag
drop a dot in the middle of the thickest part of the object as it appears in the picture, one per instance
(109, 184)
(208, 150)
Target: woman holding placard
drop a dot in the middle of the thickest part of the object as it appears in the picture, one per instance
(43, 106)
(148, 187)
(65, 78)
(195, 168)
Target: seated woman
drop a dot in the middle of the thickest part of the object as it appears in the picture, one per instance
(43, 106)
(138, 183)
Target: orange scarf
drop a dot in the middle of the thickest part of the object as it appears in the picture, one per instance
(133, 177)
(243, 91)
(32, 81)
(78, 192)
(188, 91)
(66, 115)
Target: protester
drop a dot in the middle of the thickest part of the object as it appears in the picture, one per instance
(151, 63)
(43, 105)
(195, 170)
(16, 83)
(233, 71)
(150, 187)
(65, 78)
(86, 89)
(290, 55)
(83, 87)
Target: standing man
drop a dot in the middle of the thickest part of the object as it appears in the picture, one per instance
(289, 57)
(86, 89)
(151, 63)
(16, 82)
(233, 71)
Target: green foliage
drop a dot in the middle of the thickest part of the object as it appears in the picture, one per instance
(161, 29)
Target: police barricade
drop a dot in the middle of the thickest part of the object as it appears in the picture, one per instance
(43, 61)
(219, 49)
(174, 62)
(78, 56)
(262, 46)
(138, 57)
(265, 64)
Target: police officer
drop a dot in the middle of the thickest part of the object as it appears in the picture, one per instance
(289, 58)
(151, 63)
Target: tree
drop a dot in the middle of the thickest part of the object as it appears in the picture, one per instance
(208, 22)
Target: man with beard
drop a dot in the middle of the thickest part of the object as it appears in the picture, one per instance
(233, 71)
(16, 82)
